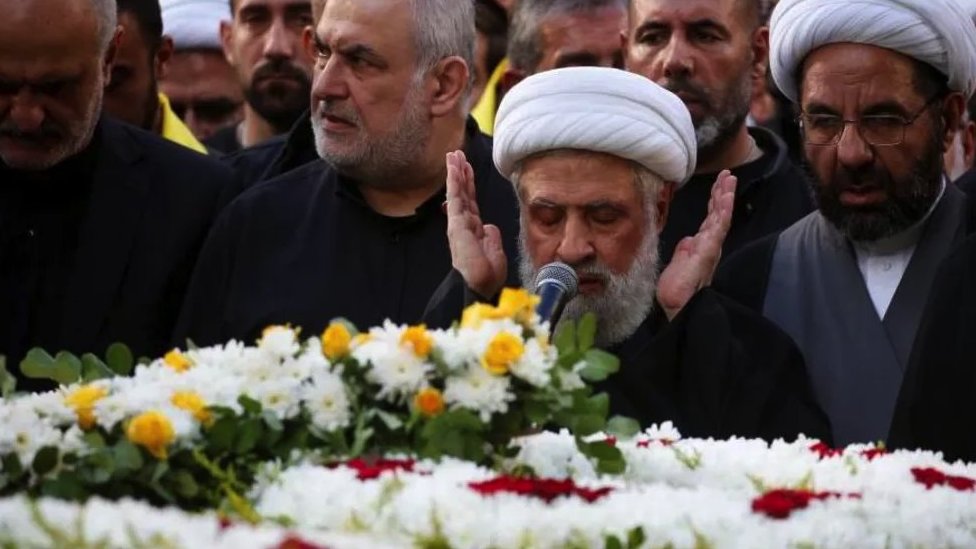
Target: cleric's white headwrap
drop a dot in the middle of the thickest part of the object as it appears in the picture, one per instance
(194, 23)
(938, 32)
(596, 109)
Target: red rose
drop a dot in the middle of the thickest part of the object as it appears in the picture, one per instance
(825, 451)
(930, 476)
(294, 542)
(544, 489)
(372, 469)
(780, 503)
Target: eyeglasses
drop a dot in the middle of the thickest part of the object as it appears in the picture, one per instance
(206, 110)
(875, 129)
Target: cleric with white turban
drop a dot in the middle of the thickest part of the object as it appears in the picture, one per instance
(937, 32)
(596, 109)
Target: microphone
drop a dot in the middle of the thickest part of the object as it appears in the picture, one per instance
(555, 284)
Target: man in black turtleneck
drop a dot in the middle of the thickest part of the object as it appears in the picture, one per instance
(100, 222)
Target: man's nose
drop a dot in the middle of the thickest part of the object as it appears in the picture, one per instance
(576, 245)
(676, 59)
(279, 42)
(26, 112)
(852, 150)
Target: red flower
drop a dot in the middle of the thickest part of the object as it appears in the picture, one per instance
(371, 469)
(544, 489)
(825, 451)
(647, 443)
(294, 542)
(872, 453)
(611, 440)
(779, 504)
(930, 476)
(224, 523)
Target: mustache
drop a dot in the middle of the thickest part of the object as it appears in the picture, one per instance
(337, 110)
(47, 131)
(280, 68)
(681, 84)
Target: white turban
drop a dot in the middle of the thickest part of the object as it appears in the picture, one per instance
(194, 23)
(596, 109)
(938, 32)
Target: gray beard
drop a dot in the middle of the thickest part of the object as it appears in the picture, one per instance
(714, 130)
(626, 301)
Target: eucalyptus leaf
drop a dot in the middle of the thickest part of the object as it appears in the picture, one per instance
(66, 486)
(92, 368)
(45, 460)
(12, 465)
(636, 538)
(250, 405)
(94, 439)
(38, 364)
(184, 484)
(613, 542)
(126, 456)
(586, 332)
(391, 421)
(248, 435)
(221, 434)
(119, 359)
(565, 338)
(623, 427)
(8, 383)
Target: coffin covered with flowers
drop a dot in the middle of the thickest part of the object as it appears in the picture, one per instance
(487, 434)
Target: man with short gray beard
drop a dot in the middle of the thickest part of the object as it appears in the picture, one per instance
(709, 53)
(359, 233)
(595, 155)
(100, 222)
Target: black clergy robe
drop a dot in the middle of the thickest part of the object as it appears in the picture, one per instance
(305, 248)
(717, 370)
(771, 194)
(937, 405)
(275, 156)
(807, 281)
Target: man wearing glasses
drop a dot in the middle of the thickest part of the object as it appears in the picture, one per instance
(881, 86)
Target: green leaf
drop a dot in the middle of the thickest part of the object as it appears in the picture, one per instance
(636, 538)
(586, 332)
(126, 456)
(250, 405)
(92, 368)
(12, 465)
(184, 484)
(119, 359)
(598, 404)
(536, 412)
(45, 460)
(94, 439)
(161, 468)
(271, 421)
(599, 365)
(65, 486)
(587, 424)
(623, 427)
(248, 435)
(565, 338)
(612, 542)
(65, 369)
(221, 434)
(391, 421)
(8, 383)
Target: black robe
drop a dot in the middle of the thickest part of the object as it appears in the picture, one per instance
(275, 156)
(936, 407)
(717, 370)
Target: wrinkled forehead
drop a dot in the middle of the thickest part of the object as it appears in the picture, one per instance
(47, 38)
(846, 72)
(577, 177)
(381, 22)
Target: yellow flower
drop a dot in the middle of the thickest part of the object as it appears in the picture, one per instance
(417, 338)
(476, 313)
(177, 361)
(335, 341)
(153, 431)
(429, 402)
(193, 403)
(83, 400)
(503, 350)
(518, 304)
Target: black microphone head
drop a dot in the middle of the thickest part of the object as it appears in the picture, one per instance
(559, 273)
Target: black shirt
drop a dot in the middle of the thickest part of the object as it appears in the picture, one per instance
(275, 156)
(224, 140)
(305, 248)
(41, 214)
(771, 195)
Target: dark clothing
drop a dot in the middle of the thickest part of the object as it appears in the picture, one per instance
(967, 182)
(936, 407)
(275, 156)
(717, 370)
(807, 281)
(771, 195)
(224, 140)
(99, 249)
(305, 248)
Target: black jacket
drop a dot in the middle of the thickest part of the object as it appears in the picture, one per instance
(275, 156)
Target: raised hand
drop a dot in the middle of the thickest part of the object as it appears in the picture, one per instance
(696, 257)
(476, 248)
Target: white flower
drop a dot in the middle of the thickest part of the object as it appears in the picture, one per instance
(535, 364)
(396, 369)
(278, 395)
(326, 400)
(479, 391)
(279, 341)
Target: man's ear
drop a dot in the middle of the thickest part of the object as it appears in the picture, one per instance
(452, 80)
(760, 52)
(163, 56)
(227, 42)
(969, 143)
(510, 77)
(113, 49)
(952, 108)
(664, 198)
(308, 44)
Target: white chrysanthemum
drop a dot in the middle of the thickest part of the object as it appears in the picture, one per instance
(396, 369)
(536, 363)
(326, 401)
(280, 395)
(48, 405)
(664, 431)
(22, 432)
(458, 348)
(279, 341)
(552, 455)
(479, 391)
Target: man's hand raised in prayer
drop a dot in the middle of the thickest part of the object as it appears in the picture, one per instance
(476, 248)
(696, 257)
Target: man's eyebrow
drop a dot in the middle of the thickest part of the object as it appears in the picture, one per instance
(254, 9)
(708, 23)
(651, 25)
(885, 107)
(364, 51)
(605, 205)
(543, 203)
(300, 8)
(819, 108)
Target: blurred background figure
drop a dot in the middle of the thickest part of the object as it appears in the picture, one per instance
(141, 58)
(491, 27)
(959, 156)
(201, 86)
(263, 42)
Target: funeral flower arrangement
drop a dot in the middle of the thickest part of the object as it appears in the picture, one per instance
(403, 436)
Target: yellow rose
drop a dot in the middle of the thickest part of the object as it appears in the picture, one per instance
(503, 350)
(476, 313)
(417, 338)
(429, 402)
(153, 431)
(193, 403)
(83, 400)
(335, 341)
(177, 361)
(518, 304)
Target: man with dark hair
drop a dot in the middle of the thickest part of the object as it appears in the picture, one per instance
(140, 60)
(881, 86)
(100, 222)
(263, 42)
(491, 24)
(710, 53)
